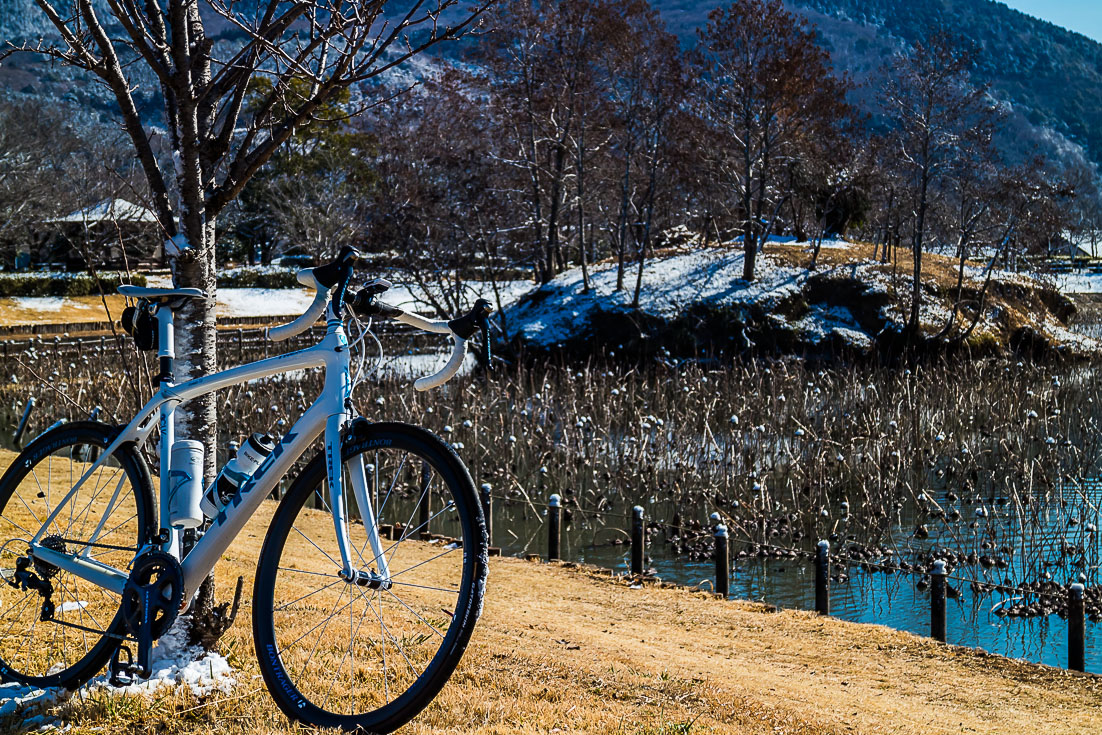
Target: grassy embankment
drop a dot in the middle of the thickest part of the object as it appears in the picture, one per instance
(564, 649)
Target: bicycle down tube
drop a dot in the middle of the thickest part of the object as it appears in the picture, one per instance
(326, 415)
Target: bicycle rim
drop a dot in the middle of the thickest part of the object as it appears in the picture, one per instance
(69, 643)
(340, 655)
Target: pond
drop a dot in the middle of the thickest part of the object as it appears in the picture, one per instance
(892, 599)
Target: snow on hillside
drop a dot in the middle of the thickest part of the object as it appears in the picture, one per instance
(1080, 282)
(849, 300)
(670, 285)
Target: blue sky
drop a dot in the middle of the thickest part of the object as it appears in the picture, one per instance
(1083, 16)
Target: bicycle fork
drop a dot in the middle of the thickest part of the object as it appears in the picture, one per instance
(375, 572)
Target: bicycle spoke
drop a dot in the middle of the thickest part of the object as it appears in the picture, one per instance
(403, 604)
(368, 649)
(426, 561)
(103, 505)
(311, 542)
(308, 594)
(332, 613)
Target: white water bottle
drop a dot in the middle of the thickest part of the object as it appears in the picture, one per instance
(249, 457)
(185, 484)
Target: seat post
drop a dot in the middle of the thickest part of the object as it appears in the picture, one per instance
(166, 350)
(168, 537)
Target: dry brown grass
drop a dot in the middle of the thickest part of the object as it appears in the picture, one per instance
(936, 268)
(563, 649)
(74, 310)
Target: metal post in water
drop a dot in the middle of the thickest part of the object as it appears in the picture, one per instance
(1076, 637)
(23, 422)
(487, 511)
(937, 601)
(637, 541)
(822, 578)
(723, 561)
(554, 517)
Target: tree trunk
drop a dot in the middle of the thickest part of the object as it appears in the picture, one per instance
(579, 175)
(196, 355)
(621, 225)
(196, 342)
(916, 252)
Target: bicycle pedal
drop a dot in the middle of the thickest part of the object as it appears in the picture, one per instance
(122, 673)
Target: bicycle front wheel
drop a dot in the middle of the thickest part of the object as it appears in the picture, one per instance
(335, 654)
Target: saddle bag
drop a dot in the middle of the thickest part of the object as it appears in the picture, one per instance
(142, 326)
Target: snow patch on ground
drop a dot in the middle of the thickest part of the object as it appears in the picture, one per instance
(822, 323)
(246, 302)
(175, 663)
(263, 301)
(669, 284)
(50, 304)
(1078, 282)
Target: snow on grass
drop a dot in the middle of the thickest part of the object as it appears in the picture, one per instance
(822, 323)
(670, 284)
(1078, 282)
(50, 304)
(238, 302)
(263, 301)
(175, 663)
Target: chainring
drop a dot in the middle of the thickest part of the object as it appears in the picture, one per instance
(156, 580)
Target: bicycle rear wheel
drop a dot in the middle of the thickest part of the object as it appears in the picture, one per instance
(61, 630)
(335, 654)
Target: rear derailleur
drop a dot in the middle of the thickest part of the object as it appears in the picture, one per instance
(35, 574)
(151, 600)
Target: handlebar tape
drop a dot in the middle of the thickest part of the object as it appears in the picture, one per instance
(306, 277)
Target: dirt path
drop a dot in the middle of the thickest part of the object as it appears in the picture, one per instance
(661, 658)
(563, 650)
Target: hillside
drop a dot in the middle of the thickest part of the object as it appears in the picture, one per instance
(1050, 74)
(851, 304)
(1051, 77)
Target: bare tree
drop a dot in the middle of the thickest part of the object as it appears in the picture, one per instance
(306, 52)
(934, 106)
(763, 82)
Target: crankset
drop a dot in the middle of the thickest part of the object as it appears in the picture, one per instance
(151, 601)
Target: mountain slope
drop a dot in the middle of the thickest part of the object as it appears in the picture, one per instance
(1051, 74)
(1052, 77)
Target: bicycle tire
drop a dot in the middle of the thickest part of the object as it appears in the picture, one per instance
(70, 443)
(284, 684)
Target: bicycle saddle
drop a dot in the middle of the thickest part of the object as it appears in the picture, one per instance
(159, 294)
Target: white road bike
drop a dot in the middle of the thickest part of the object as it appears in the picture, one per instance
(369, 580)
